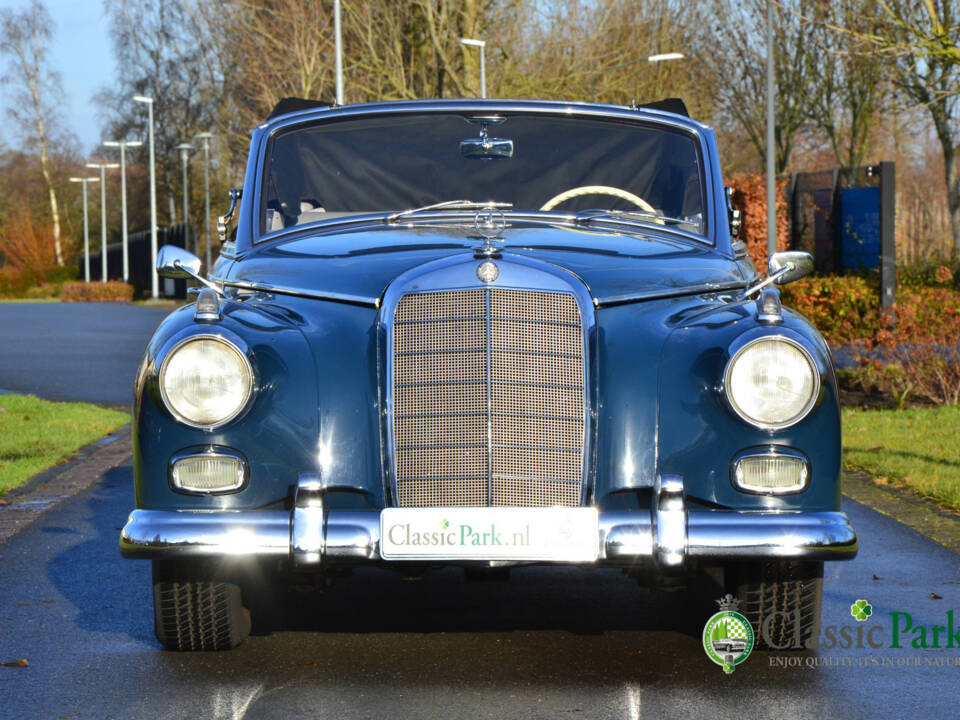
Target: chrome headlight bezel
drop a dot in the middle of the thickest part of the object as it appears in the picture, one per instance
(235, 345)
(807, 407)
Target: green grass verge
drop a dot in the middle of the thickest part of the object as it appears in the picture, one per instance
(918, 448)
(37, 434)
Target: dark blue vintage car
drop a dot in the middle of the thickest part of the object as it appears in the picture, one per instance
(485, 334)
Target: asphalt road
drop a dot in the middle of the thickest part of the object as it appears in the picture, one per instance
(74, 351)
(551, 643)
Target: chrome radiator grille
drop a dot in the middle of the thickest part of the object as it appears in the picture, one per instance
(488, 398)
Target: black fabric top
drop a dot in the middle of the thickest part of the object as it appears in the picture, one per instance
(671, 105)
(294, 104)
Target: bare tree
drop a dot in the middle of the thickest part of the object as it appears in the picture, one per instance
(738, 61)
(24, 39)
(920, 42)
(158, 57)
(852, 86)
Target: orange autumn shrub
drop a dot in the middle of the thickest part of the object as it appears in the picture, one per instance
(750, 197)
(97, 292)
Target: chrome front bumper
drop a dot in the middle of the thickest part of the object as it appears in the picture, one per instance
(312, 536)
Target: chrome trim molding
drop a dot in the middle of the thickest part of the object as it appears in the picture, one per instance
(300, 292)
(661, 295)
(352, 537)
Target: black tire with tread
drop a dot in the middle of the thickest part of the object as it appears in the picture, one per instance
(193, 610)
(786, 594)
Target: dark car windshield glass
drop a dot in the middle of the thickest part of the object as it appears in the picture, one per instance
(387, 164)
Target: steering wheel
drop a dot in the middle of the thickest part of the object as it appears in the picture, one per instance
(598, 190)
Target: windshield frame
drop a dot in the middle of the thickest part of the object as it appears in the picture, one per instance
(650, 119)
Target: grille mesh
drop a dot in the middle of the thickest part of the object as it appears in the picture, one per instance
(488, 399)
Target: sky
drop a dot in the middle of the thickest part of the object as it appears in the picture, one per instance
(81, 52)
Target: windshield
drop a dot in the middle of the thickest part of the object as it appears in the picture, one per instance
(390, 164)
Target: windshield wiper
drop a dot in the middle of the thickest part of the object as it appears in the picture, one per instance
(448, 205)
(587, 215)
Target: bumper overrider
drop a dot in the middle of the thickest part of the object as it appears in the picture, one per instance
(312, 536)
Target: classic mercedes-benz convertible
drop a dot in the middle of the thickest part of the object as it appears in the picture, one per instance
(485, 334)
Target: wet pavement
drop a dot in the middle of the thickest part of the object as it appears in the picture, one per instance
(74, 351)
(550, 643)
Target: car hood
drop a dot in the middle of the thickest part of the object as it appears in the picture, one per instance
(614, 266)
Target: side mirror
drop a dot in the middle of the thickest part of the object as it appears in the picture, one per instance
(734, 215)
(789, 265)
(175, 262)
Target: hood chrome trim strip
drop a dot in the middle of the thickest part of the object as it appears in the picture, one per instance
(661, 295)
(300, 292)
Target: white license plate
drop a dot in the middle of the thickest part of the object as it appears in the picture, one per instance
(489, 533)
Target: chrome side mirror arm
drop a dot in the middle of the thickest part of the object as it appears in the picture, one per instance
(770, 279)
(178, 263)
(782, 268)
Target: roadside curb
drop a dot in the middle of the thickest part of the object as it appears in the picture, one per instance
(26, 503)
(906, 507)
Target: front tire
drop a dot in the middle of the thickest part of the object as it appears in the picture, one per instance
(782, 600)
(194, 610)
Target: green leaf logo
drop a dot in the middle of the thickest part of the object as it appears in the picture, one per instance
(444, 524)
(861, 610)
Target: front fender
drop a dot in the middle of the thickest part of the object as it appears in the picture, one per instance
(277, 432)
(699, 434)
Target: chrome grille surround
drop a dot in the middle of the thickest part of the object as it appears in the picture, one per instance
(487, 386)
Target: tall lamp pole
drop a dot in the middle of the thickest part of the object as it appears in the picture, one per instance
(123, 145)
(185, 149)
(103, 213)
(482, 44)
(338, 54)
(154, 280)
(86, 227)
(205, 137)
(771, 165)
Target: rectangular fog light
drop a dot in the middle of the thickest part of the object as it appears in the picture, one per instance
(207, 473)
(774, 474)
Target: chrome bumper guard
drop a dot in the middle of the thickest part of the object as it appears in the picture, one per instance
(312, 536)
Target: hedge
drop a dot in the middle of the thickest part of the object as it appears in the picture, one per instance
(97, 292)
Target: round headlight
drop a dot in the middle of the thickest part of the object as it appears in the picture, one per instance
(772, 382)
(206, 381)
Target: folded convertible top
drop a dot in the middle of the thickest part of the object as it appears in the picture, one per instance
(295, 104)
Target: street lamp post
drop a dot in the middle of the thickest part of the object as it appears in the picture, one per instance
(661, 57)
(771, 164)
(185, 149)
(205, 136)
(154, 280)
(123, 145)
(482, 44)
(86, 227)
(338, 51)
(103, 213)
